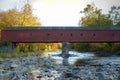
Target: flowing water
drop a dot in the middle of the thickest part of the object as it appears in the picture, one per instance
(73, 56)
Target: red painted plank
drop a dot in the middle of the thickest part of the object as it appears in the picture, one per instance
(61, 35)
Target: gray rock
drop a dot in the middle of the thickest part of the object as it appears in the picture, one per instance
(100, 76)
(13, 66)
(35, 74)
(1, 61)
(118, 78)
(1, 72)
(24, 66)
(6, 76)
(22, 70)
(16, 78)
(68, 74)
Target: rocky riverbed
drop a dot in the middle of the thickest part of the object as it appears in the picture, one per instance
(44, 68)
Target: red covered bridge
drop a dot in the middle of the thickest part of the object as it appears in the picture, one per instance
(61, 34)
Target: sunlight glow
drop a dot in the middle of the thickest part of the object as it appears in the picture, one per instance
(58, 12)
(65, 12)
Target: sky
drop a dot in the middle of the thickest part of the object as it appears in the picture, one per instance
(59, 12)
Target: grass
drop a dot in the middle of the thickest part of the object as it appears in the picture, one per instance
(83, 62)
(20, 55)
(13, 55)
(103, 54)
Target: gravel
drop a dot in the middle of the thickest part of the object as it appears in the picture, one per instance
(44, 68)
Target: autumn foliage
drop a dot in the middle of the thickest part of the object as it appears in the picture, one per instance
(25, 18)
(13, 18)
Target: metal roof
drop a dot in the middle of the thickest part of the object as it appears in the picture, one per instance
(60, 28)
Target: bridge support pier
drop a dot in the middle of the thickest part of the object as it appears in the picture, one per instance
(65, 49)
(65, 53)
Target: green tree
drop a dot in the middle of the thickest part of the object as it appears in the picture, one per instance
(115, 15)
(94, 17)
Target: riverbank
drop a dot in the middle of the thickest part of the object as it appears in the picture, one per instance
(44, 68)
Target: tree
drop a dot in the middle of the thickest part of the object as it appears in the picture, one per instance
(94, 17)
(115, 15)
(25, 17)
(13, 18)
(8, 18)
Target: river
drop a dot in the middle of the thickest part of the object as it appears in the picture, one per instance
(74, 55)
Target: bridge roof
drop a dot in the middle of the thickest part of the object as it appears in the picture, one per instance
(61, 28)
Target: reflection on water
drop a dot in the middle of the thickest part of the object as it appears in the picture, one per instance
(49, 52)
(74, 55)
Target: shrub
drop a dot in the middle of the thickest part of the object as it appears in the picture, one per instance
(81, 62)
(96, 47)
(0, 43)
(5, 43)
(115, 47)
(80, 46)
